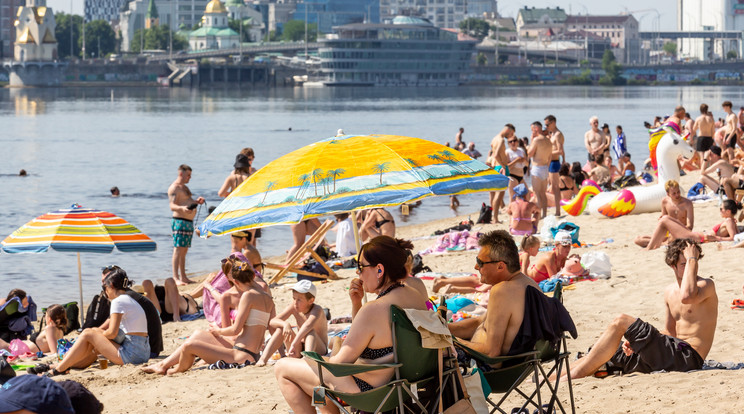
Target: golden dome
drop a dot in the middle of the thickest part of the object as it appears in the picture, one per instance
(215, 6)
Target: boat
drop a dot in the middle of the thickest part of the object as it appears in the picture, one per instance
(409, 51)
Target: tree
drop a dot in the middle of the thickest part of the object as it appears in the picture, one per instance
(476, 28)
(731, 54)
(157, 38)
(670, 48)
(294, 30)
(612, 70)
(62, 33)
(481, 59)
(235, 25)
(98, 34)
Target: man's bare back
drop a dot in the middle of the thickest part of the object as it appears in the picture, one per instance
(706, 125)
(543, 150)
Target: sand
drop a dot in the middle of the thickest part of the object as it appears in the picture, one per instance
(635, 288)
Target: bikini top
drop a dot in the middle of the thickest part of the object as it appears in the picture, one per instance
(374, 353)
(382, 222)
(255, 318)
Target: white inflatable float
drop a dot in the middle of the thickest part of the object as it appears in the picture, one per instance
(648, 197)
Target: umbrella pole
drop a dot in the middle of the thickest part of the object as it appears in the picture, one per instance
(357, 241)
(80, 285)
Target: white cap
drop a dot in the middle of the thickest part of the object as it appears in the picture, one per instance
(305, 286)
(340, 132)
(563, 237)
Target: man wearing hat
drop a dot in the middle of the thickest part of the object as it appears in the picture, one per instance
(311, 333)
(32, 394)
(550, 264)
(719, 169)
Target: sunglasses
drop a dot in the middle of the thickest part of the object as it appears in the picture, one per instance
(480, 262)
(109, 268)
(360, 266)
(511, 141)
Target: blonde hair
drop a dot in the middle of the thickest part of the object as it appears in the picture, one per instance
(670, 184)
(529, 241)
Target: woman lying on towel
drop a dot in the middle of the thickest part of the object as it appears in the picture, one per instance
(723, 231)
(381, 270)
(238, 343)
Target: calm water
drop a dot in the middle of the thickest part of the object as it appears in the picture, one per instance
(77, 143)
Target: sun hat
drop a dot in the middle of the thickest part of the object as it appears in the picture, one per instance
(520, 190)
(33, 393)
(563, 237)
(241, 161)
(305, 286)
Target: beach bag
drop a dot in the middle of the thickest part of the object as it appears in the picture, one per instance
(598, 264)
(18, 347)
(63, 345)
(567, 226)
(478, 389)
(485, 214)
(418, 265)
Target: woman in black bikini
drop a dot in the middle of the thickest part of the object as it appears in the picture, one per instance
(381, 270)
(168, 301)
(377, 222)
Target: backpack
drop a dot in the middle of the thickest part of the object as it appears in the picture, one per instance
(98, 312)
(418, 265)
(485, 214)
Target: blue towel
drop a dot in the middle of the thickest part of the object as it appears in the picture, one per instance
(696, 189)
(193, 316)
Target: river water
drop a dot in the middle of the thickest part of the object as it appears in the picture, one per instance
(77, 143)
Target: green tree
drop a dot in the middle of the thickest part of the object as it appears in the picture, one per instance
(235, 25)
(294, 30)
(731, 54)
(481, 59)
(670, 48)
(612, 70)
(476, 28)
(157, 38)
(98, 33)
(62, 33)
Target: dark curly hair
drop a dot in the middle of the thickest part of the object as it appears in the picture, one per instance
(676, 249)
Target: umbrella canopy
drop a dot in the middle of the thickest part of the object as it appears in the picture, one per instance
(77, 230)
(349, 173)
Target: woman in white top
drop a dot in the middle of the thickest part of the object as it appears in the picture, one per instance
(517, 157)
(238, 343)
(125, 339)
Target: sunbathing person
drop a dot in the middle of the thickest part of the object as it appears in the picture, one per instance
(381, 269)
(549, 264)
(169, 302)
(124, 340)
(377, 222)
(524, 215)
(676, 207)
(312, 328)
(691, 315)
(45, 341)
(723, 231)
(719, 170)
(237, 343)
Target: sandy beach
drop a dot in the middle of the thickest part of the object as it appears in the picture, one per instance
(635, 288)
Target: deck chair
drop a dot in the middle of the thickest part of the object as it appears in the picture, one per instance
(307, 249)
(515, 369)
(416, 374)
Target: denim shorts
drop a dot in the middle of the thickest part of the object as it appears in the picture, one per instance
(135, 349)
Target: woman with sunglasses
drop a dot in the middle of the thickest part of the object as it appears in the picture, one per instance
(123, 342)
(381, 270)
(723, 231)
(237, 343)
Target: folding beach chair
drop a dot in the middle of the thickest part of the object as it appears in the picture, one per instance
(515, 369)
(308, 248)
(416, 375)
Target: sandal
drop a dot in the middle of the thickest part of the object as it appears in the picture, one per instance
(38, 369)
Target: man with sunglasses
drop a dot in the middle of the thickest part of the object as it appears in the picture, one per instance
(494, 334)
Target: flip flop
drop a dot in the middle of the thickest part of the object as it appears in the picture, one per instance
(29, 356)
(38, 369)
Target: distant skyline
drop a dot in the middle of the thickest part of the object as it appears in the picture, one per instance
(667, 9)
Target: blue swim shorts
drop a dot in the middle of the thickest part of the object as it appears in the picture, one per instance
(183, 232)
(554, 166)
(135, 349)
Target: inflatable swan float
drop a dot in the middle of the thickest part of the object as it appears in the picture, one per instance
(668, 146)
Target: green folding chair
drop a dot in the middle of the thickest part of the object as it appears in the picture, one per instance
(416, 368)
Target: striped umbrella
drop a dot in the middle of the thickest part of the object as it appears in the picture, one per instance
(78, 229)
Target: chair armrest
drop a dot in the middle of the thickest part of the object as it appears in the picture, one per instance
(344, 370)
(494, 360)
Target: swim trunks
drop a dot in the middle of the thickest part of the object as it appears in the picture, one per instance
(703, 144)
(183, 231)
(554, 166)
(502, 170)
(539, 171)
(653, 351)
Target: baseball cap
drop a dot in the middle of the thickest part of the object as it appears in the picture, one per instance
(305, 286)
(563, 237)
(83, 401)
(33, 393)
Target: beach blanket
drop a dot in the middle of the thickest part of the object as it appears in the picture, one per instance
(193, 316)
(432, 275)
(453, 241)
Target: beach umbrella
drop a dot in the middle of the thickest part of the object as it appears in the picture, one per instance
(346, 174)
(78, 230)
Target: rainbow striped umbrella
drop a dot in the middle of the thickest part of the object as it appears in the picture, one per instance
(77, 230)
(349, 173)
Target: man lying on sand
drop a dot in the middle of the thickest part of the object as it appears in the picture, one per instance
(683, 344)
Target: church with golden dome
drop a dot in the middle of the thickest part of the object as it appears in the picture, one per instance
(34, 27)
(215, 32)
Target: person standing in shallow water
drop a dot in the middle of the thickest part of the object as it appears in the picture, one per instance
(183, 206)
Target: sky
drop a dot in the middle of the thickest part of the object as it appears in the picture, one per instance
(643, 10)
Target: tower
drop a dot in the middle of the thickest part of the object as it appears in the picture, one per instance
(151, 17)
(35, 33)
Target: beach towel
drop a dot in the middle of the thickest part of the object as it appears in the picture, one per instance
(193, 316)
(453, 241)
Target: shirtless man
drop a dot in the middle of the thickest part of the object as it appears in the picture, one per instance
(711, 177)
(733, 183)
(706, 126)
(550, 264)
(498, 265)
(676, 207)
(183, 206)
(628, 166)
(729, 129)
(595, 140)
(312, 328)
(459, 143)
(540, 151)
(500, 162)
(676, 118)
(556, 140)
(691, 316)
